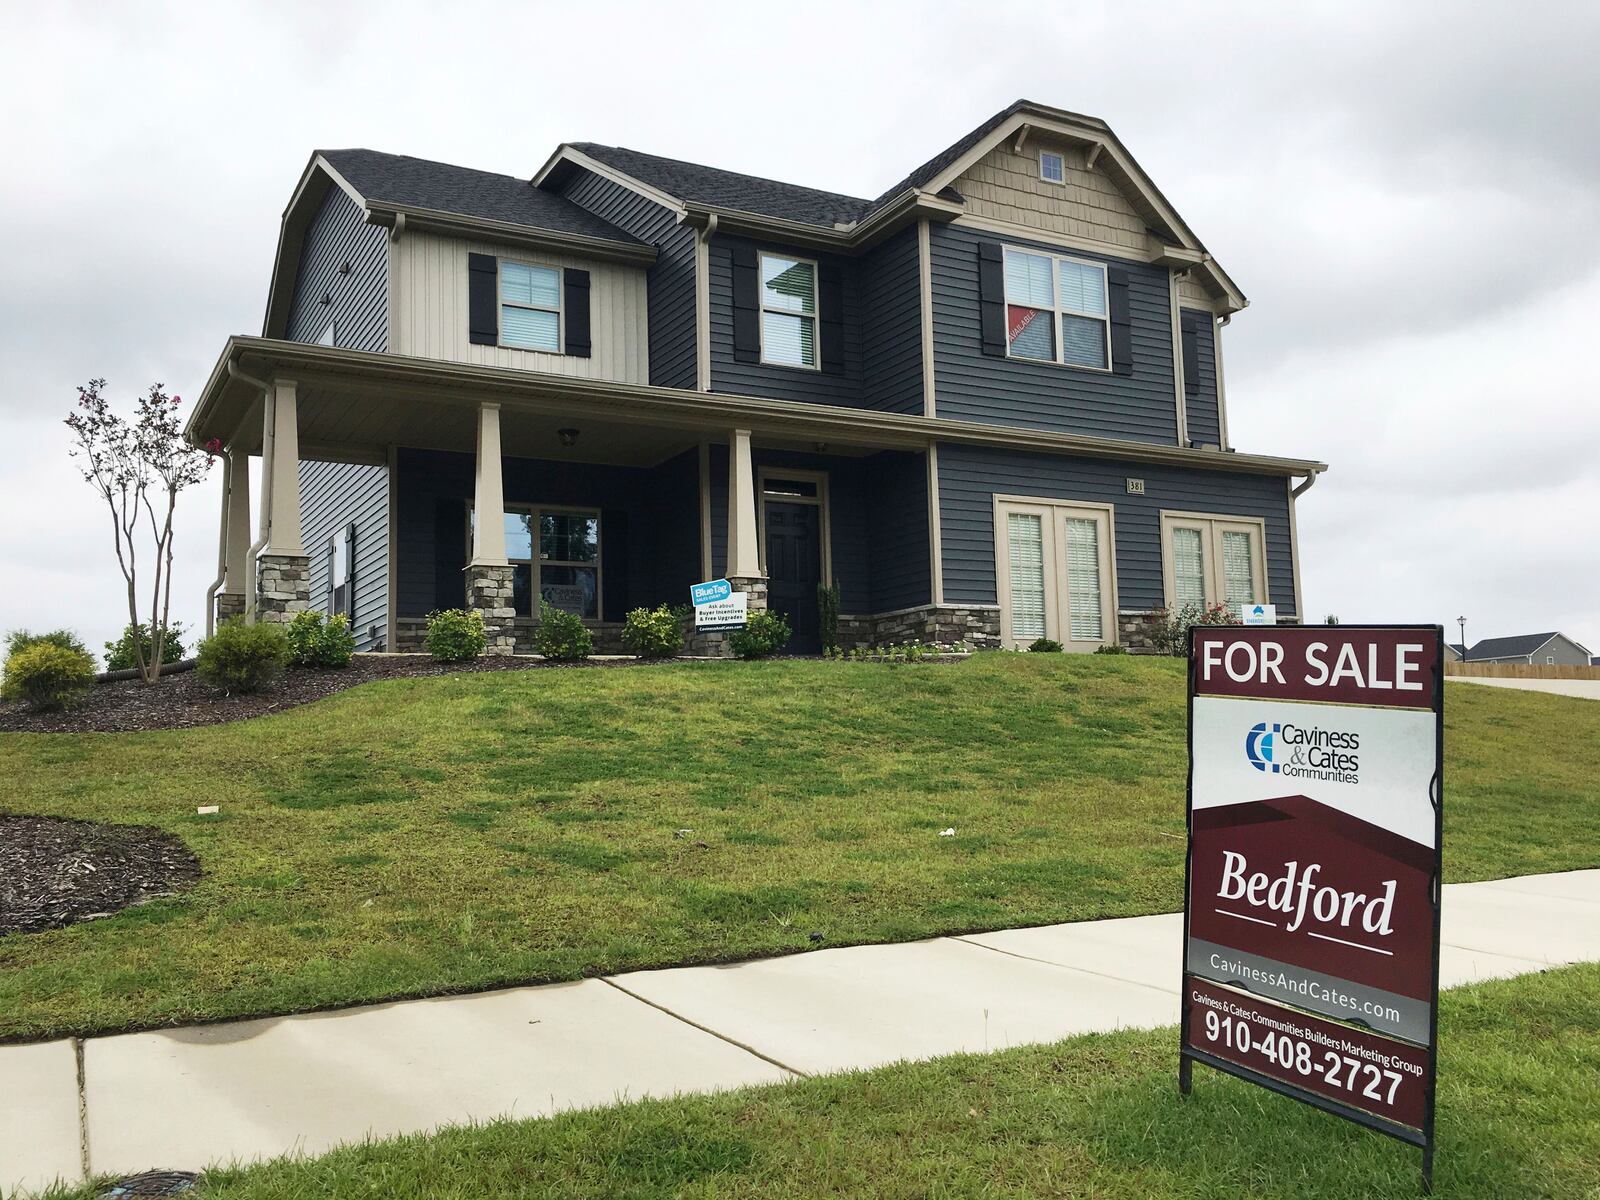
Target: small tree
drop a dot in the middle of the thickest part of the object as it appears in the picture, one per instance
(138, 467)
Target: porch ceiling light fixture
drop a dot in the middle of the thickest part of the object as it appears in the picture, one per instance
(820, 447)
(569, 436)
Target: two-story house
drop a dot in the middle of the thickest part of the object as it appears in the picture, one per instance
(989, 403)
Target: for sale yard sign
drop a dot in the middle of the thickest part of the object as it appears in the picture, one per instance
(1311, 915)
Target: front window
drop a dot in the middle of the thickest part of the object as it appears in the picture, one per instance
(1057, 310)
(341, 572)
(555, 556)
(788, 311)
(1214, 560)
(530, 307)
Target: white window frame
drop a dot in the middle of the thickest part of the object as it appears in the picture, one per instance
(342, 535)
(1056, 311)
(1053, 514)
(1060, 158)
(501, 303)
(814, 316)
(1211, 527)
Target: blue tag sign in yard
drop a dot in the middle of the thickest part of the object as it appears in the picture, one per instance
(718, 607)
(705, 593)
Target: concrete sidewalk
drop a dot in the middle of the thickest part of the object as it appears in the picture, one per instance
(184, 1098)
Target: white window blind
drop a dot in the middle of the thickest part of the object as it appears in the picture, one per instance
(1189, 567)
(1238, 570)
(788, 311)
(530, 307)
(1025, 544)
(1083, 580)
(1051, 301)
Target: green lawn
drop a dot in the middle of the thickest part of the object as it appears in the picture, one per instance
(418, 836)
(1097, 1116)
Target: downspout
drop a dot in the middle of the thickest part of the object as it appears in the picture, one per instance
(1305, 485)
(269, 424)
(222, 544)
(1222, 387)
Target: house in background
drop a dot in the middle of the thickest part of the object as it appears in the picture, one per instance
(989, 403)
(1454, 652)
(1539, 649)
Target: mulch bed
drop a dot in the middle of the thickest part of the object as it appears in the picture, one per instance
(184, 701)
(56, 872)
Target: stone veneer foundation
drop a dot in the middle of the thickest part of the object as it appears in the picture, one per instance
(489, 591)
(229, 605)
(283, 586)
(976, 624)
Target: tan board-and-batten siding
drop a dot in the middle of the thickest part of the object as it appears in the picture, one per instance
(428, 310)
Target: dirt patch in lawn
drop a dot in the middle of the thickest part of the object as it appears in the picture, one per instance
(56, 872)
(186, 700)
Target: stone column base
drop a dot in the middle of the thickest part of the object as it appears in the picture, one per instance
(489, 592)
(283, 586)
(229, 605)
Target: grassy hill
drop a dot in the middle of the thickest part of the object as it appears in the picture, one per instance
(419, 836)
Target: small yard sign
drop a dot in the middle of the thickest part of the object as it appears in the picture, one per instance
(1260, 614)
(1311, 905)
(717, 606)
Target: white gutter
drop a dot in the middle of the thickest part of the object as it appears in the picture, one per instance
(1305, 485)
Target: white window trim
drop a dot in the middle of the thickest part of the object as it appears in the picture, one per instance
(560, 309)
(825, 525)
(1056, 310)
(534, 511)
(1052, 511)
(335, 583)
(814, 316)
(1212, 526)
(1061, 158)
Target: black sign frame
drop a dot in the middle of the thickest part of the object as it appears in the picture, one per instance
(1188, 1054)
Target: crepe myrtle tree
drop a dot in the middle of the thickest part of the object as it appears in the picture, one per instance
(138, 466)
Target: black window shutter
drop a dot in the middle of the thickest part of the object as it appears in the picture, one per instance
(1191, 361)
(575, 297)
(746, 306)
(483, 299)
(992, 297)
(350, 571)
(830, 305)
(1121, 322)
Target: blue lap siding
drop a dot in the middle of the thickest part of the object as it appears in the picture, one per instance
(970, 477)
(670, 279)
(332, 496)
(972, 386)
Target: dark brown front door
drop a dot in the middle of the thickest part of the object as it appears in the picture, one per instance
(794, 569)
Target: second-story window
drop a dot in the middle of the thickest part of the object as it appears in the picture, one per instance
(1056, 310)
(788, 311)
(1052, 169)
(530, 307)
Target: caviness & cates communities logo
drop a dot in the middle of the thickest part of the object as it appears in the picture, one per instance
(1304, 752)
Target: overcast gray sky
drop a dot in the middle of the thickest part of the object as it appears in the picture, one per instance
(1406, 192)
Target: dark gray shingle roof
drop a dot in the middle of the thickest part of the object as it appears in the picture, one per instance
(694, 183)
(1503, 647)
(949, 154)
(419, 183)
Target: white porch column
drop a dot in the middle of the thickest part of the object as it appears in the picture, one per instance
(744, 559)
(488, 500)
(236, 530)
(283, 462)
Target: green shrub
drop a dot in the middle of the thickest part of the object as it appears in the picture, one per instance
(1169, 630)
(1045, 646)
(21, 639)
(456, 634)
(1111, 648)
(46, 675)
(765, 633)
(243, 658)
(654, 632)
(119, 654)
(314, 642)
(561, 636)
(828, 615)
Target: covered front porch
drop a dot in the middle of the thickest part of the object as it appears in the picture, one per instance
(390, 494)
